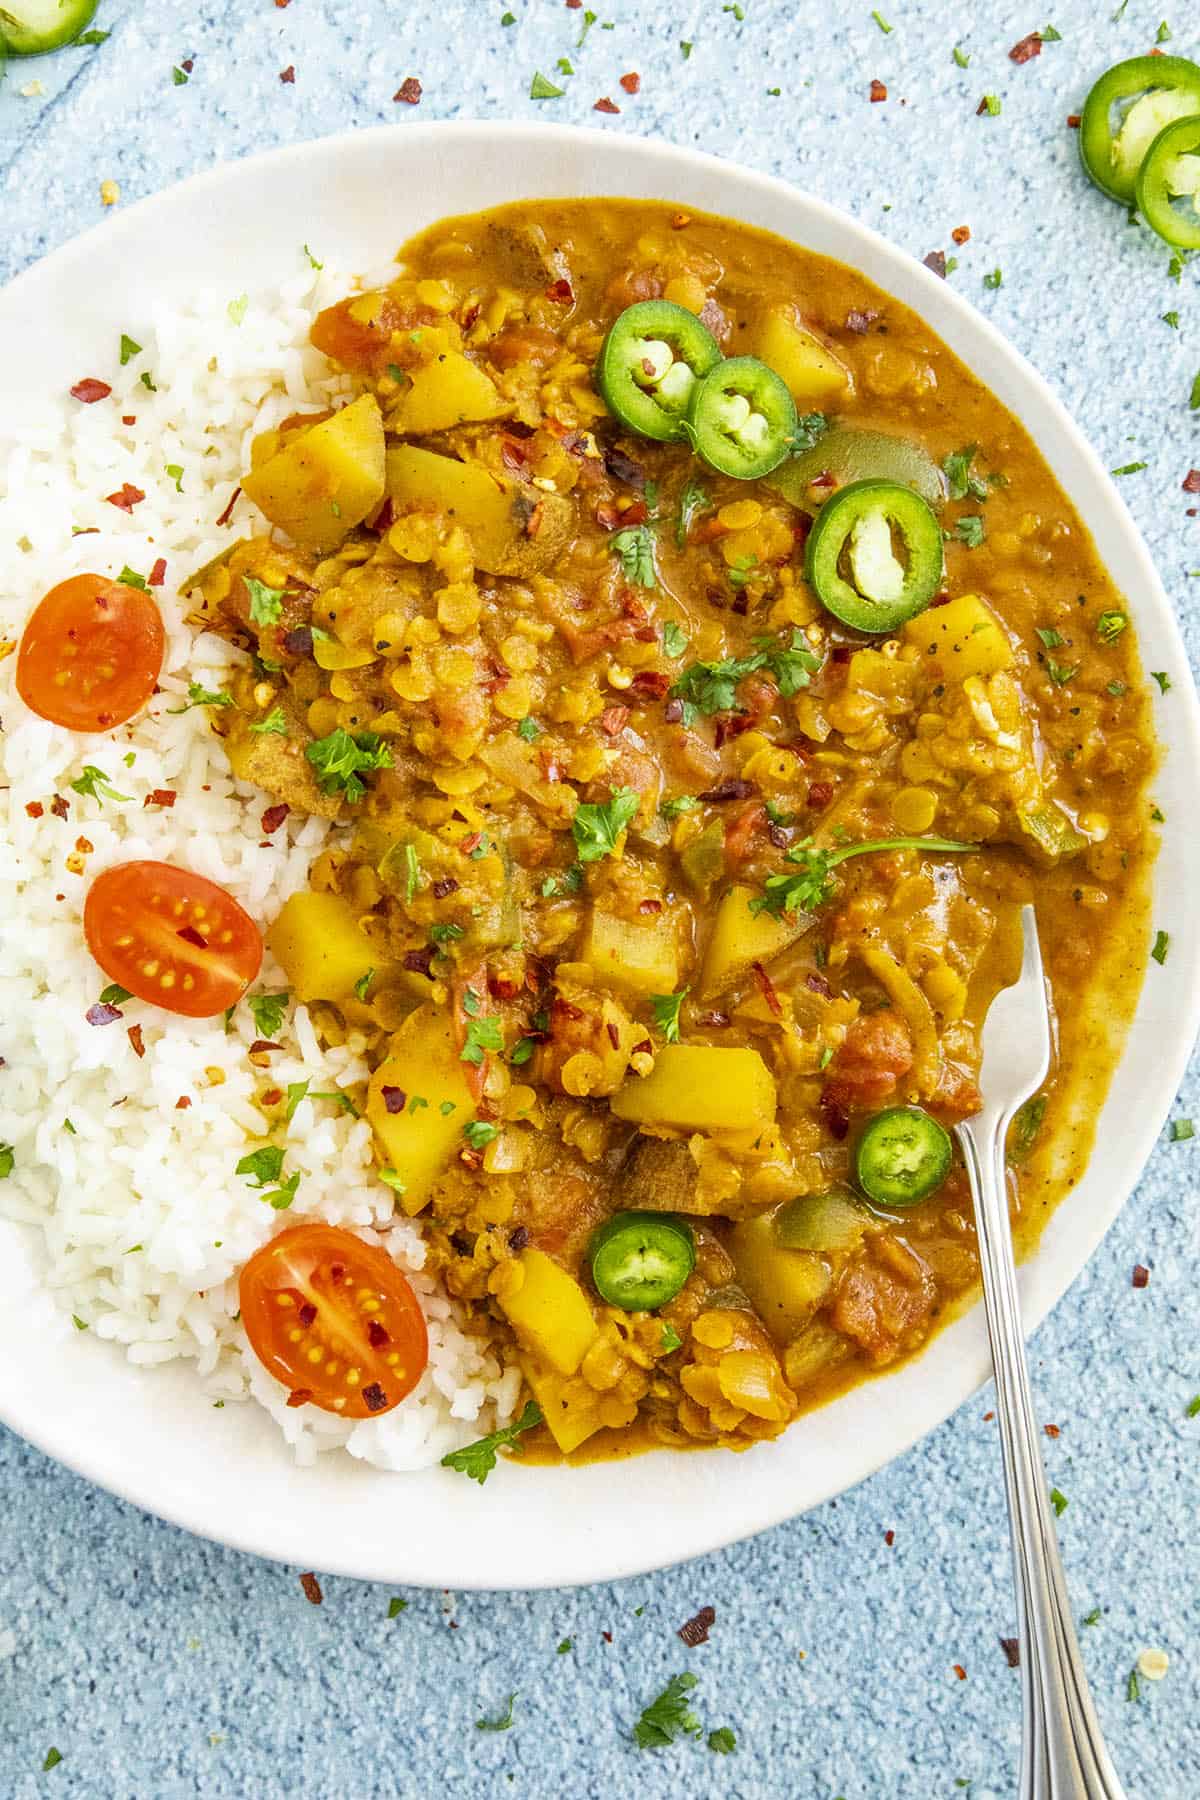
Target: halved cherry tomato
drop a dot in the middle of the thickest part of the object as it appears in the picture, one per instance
(334, 1320)
(91, 653)
(171, 937)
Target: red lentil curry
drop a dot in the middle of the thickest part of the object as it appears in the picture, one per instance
(704, 667)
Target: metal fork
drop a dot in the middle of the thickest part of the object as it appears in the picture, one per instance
(1062, 1752)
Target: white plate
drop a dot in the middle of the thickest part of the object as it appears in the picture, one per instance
(152, 1436)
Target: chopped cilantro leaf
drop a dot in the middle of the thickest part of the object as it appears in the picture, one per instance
(542, 88)
(675, 639)
(963, 483)
(882, 23)
(670, 1340)
(991, 106)
(566, 1645)
(273, 725)
(237, 309)
(1133, 1687)
(1053, 640)
(994, 279)
(502, 1723)
(262, 1167)
(1181, 1130)
(340, 760)
(682, 803)
(1132, 468)
(1171, 319)
(53, 1756)
(115, 995)
(482, 1034)
(1092, 1618)
(1110, 625)
(477, 1460)
(723, 1740)
(666, 1009)
(969, 529)
(961, 57)
(396, 1606)
(444, 934)
(412, 873)
(522, 1050)
(362, 986)
(669, 1716)
(813, 883)
(175, 471)
(597, 828)
(130, 578)
(530, 730)
(1059, 1502)
(692, 500)
(7, 1159)
(390, 1179)
(634, 549)
(129, 349)
(266, 603)
(1061, 673)
(1163, 680)
(1193, 1407)
(1162, 943)
(268, 1011)
(94, 783)
(1194, 401)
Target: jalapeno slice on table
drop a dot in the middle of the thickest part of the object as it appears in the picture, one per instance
(903, 1156)
(650, 362)
(742, 418)
(1168, 183)
(851, 559)
(1124, 113)
(640, 1260)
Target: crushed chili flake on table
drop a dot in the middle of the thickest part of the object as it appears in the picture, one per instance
(696, 1629)
(409, 91)
(89, 390)
(878, 91)
(889, 1538)
(961, 234)
(1012, 1651)
(1027, 49)
(288, 75)
(1141, 1275)
(1073, 121)
(134, 1034)
(936, 260)
(631, 82)
(312, 1588)
(1191, 482)
(605, 105)
(1052, 1431)
(960, 1671)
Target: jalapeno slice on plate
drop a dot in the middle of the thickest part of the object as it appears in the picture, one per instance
(874, 555)
(640, 1260)
(903, 1156)
(1168, 184)
(1125, 112)
(650, 362)
(742, 418)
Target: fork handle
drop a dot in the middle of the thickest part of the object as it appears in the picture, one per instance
(1063, 1756)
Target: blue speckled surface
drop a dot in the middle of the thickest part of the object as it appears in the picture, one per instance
(162, 1666)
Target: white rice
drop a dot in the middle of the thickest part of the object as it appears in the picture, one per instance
(141, 1221)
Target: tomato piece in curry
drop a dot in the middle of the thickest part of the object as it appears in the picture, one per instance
(578, 712)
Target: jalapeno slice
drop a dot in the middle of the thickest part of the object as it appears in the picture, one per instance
(847, 453)
(640, 1260)
(650, 362)
(903, 1156)
(742, 418)
(1125, 112)
(851, 559)
(1168, 184)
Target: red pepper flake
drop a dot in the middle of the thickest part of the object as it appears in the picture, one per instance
(182, 1104)
(614, 1036)
(409, 91)
(728, 790)
(375, 1397)
(1027, 49)
(89, 390)
(101, 1014)
(59, 806)
(961, 234)
(126, 497)
(1051, 1431)
(129, 418)
(860, 322)
(889, 1538)
(274, 816)
(605, 106)
(260, 1045)
(960, 1671)
(936, 260)
(767, 989)
(158, 573)
(651, 683)
(134, 1034)
(574, 5)
(188, 64)
(228, 513)
(420, 962)
(878, 91)
(695, 1631)
(298, 1396)
(309, 1582)
(1141, 1275)
(282, 3)
(443, 888)
(84, 846)
(649, 906)
(471, 842)
(513, 455)
(607, 1636)
(34, 808)
(613, 720)
(1073, 121)
(160, 797)
(820, 793)
(1191, 482)
(394, 1099)
(561, 292)
(288, 75)
(1012, 1651)
(631, 82)
(988, 1417)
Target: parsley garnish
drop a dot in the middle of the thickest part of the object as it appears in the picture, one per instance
(297, 1090)
(274, 725)
(266, 603)
(1110, 625)
(1163, 35)
(478, 1133)
(1194, 401)
(541, 88)
(179, 78)
(1061, 673)
(969, 530)
(566, 1645)
(479, 1459)
(262, 1167)
(503, 1723)
(675, 639)
(362, 986)
(53, 1756)
(130, 578)
(522, 1050)
(444, 934)
(1133, 1687)
(963, 483)
(634, 549)
(666, 1009)
(1059, 1502)
(1092, 1618)
(129, 349)
(994, 279)
(723, 1740)
(147, 381)
(1162, 943)
(530, 730)
(1053, 640)
(1193, 1407)
(670, 1340)
(1171, 319)
(1163, 680)
(694, 499)
(115, 995)
(669, 1716)
(711, 687)
(94, 783)
(268, 1011)
(682, 803)
(813, 883)
(340, 759)
(482, 1034)
(596, 828)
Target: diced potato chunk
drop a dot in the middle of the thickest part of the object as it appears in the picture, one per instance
(423, 1062)
(550, 1313)
(964, 637)
(322, 947)
(808, 366)
(326, 479)
(786, 1286)
(486, 508)
(699, 1087)
(639, 955)
(570, 1408)
(741, 938)
(448, 391)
